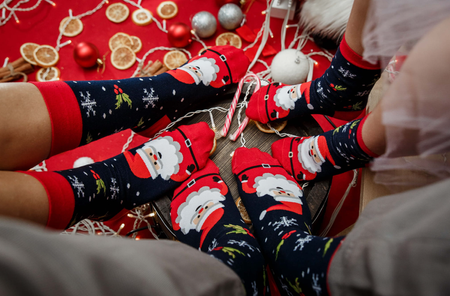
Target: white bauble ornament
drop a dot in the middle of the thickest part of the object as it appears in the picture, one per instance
(289, 66)
(82, 161)
(230, 16)
(204, 24)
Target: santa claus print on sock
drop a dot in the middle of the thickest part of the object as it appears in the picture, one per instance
(325, 155)
(286, 192)
(200, 212)
(205, 70)
(170, 157)
(204, 216)
(285, 97)
(312, 153)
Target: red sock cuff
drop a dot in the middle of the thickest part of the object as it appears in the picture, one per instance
(360, 140)
(65, 115)
(61, 201)
(354, 58)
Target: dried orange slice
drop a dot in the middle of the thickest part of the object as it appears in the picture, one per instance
(229, 39)
(26, 50)
(137, 44)
(74, 27)
(243, 211)
(117, 12)
(141, 17)
(174, 59)
(167, 10)
(279, 126)
(48, 74)
(120, 39)
(123, 57)
(46, 56)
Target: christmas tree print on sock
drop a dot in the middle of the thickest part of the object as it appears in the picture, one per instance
(94, 109)
(281, 220)
(331, 153)
(204, 216)
(342, 91)
(101, 190)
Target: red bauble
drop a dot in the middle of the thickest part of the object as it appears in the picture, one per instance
(179, 34)
(86, 54)
(221, 3)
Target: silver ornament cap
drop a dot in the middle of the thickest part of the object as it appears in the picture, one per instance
(204, 24)
(230, 16)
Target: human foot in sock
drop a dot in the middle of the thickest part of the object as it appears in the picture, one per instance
(341, 92)
(325, 155)
(205, 217)
(89, 110)
(101, 190)
(281, 220)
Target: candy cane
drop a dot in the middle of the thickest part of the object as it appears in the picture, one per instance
(233, 105)
(244, 123)
(240, 129)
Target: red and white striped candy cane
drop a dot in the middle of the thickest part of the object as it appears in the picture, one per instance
(233, 105)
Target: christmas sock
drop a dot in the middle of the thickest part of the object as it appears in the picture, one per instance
(282, 221)
(204, 216)
(341, 92)
(101, 190)
(325, 155)
(83, 111)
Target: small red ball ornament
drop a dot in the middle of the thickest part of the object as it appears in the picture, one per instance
(179, 34)
(221, 3)
(86, 54)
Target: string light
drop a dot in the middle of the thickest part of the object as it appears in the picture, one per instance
(50, 2)
(4, 6)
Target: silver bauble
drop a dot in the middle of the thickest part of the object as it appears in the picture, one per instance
(204, 24)
(230, 16)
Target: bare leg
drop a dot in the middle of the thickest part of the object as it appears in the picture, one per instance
(25, 129)
(355, 25)
(22, 196)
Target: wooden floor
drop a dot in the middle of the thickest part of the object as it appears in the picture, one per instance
(315, 192)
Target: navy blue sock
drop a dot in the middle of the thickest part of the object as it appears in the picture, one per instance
(325, 155)
(101, 190)
(342, 91)
(281, 219)
(204, 216)
(89, 110)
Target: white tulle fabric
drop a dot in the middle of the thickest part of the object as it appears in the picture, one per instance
(416, 106)
(392, 24)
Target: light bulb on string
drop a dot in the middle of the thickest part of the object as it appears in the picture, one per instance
(15, 17)
(51, 3)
